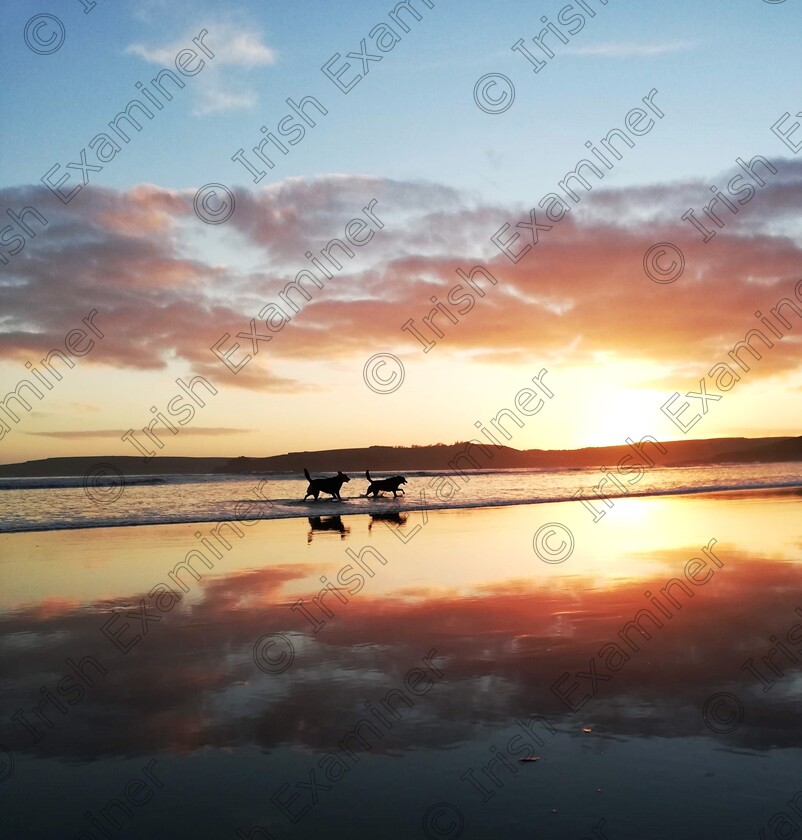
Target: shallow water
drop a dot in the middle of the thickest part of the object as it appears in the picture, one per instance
(450, 646)
(106, 498)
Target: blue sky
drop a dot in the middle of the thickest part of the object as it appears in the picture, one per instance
(446, 176)
(710, 61)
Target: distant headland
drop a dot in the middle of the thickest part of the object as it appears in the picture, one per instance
(437, 457)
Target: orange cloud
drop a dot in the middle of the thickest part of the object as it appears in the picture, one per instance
(581, 292)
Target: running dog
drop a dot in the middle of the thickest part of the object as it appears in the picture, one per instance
(330, 485)
(393, 483)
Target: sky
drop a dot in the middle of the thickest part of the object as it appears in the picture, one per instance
(421, 157)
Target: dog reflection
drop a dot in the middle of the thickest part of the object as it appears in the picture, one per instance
(319, 524)
(395, 517)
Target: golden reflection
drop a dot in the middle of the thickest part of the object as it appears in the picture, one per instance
(456, 551)
(658, 611)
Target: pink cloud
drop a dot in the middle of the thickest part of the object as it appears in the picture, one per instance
(582, 290)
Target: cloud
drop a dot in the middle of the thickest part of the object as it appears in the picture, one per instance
(630, 50)
(214, 100)
(114, 434)
(582, 291)
(235, 48)
(231, 45)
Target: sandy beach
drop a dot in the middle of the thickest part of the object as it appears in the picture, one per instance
(428, 660)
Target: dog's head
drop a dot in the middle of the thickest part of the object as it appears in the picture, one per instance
(342, 476)
(401, 479)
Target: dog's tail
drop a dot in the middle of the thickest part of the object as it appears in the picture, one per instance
(306, 473)
(367, 476)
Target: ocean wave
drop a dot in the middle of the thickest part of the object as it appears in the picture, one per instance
(292, 508)
(67, 482)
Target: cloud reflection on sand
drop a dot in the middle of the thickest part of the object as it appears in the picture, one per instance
(191, 682)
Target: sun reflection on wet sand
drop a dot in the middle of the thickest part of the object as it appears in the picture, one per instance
(193, 681)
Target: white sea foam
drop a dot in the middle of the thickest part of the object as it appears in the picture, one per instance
(44, 504)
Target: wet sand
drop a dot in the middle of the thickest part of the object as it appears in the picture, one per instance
(356, 676)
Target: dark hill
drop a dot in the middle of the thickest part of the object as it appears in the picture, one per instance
(439, 457)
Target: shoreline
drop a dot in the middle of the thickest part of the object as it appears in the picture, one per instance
(331, 508)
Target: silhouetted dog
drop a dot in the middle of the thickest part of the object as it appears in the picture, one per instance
(330, 485)
(393, 483)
